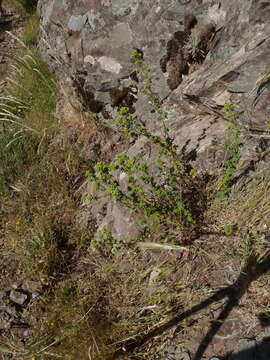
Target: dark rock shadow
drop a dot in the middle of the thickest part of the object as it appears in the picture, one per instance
(259, 351)
(6, 22)
(264, 319)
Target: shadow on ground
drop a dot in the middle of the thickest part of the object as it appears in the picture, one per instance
(233, 293)
(252, 350)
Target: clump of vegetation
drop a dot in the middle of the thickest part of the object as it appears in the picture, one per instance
(160, 205)
(157, 204)
(105, 240)
(26, 116)
(145, 73)
(233, 146)
(37, 208)
(228, 230)
(28, 126)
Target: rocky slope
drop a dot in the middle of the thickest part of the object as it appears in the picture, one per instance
(89, 44)
(192, 81)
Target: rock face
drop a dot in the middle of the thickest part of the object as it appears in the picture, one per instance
(218, 51)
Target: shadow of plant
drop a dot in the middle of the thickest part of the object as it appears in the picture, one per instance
(259, 351)
(252, 270)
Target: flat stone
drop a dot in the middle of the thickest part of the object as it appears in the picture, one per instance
(176, 354)
(18, 297)
(109, 64)
(182, 356)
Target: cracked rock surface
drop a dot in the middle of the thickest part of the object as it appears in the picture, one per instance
(91, 41)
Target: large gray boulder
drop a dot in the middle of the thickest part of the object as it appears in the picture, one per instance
(88, 43)
(92, 41)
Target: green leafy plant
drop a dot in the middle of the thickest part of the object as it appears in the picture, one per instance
(105, 240)
(145, 74)
(251, 245)
(133, 128)
(143, 192)
(159, 204)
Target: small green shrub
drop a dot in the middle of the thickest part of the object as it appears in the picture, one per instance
(44, 256)
(105, 240)
(160, 205)
(144, 195)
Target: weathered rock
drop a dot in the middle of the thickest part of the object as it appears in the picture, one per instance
(120, 222)
(105, 33)
(18, 297)
(76, 23)
(92, 42)
(174, 353)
